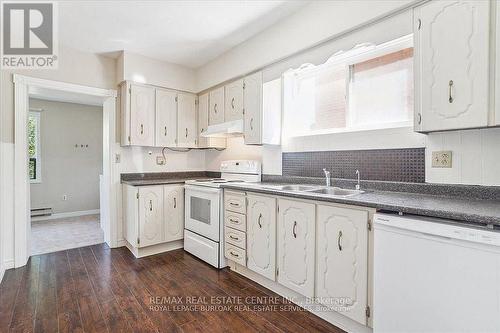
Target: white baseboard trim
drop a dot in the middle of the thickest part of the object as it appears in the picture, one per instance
(333, 317)
(2, 272)
(66, 215)
(8, 264)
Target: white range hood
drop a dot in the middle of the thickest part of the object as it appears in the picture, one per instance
(228, 129)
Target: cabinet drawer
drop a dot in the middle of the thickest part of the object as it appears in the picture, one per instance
(235, 237)
(235, 254)
(235, 220)
(235, 202)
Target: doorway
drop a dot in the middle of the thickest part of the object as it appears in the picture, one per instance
(65, 150)
(34, 88)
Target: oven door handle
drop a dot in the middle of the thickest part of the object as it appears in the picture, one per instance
(202, 189)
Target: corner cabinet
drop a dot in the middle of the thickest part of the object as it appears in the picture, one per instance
(451, 40)
(342, 260)
(203, 109)
(153, 215)
(157, 117)
(296, 245)
(261, 235)
(262, 110)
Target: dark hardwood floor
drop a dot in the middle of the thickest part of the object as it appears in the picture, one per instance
(97, 289)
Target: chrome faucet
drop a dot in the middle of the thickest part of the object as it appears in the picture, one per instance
(358, 186)
(327, 176)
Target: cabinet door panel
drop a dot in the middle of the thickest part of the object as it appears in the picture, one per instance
(216, 114)
(166, 118)
(261, 235)
(252, 103)
(451, 72)
(296, 238)
(203, 109)
(186, 131)
(233, 106)
(142, 115)
(150, 215)
(174, 212)
(342, 260)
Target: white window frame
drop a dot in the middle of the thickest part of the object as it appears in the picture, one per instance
(359, 53)
(38, 179)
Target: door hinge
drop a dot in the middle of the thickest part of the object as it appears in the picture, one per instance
(277, 271)
(129, 138)
(278, 208)
(244, 85)
(137, 195)
(419, 24)
(367, 312)
(138, 241)
(176, 99)
(243, 110)
(369, 225)
(130, 90)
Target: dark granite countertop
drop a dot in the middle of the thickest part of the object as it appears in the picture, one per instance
(164, 178)
(166, 181)
(476, 211)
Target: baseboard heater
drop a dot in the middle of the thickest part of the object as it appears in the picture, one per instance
(41, 212)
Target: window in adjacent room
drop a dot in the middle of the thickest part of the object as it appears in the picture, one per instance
(367, 88)
(34, 152)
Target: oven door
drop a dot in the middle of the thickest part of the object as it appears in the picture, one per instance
(203, 211)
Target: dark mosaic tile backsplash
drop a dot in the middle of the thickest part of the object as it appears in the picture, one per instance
(399, 165)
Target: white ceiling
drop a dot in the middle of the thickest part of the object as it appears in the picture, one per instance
(189, 33)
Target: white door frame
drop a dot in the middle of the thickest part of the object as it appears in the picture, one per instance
(22, 220)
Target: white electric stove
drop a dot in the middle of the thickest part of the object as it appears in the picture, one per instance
(204, 230)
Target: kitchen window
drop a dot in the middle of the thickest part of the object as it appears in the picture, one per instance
(34, 151)
(367, 88)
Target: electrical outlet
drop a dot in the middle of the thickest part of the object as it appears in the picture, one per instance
(441, 159)
(160, 160)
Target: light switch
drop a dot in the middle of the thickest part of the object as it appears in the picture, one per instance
(441, 159)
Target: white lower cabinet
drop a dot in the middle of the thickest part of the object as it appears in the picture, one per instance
(150, 215)
(296, 245)
(342, 260)
(173, 203)
(261, 235)
(153, 214)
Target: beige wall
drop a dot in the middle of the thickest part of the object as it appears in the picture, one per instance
(66, 169)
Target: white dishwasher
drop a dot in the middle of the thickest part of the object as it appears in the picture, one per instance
(431, 275)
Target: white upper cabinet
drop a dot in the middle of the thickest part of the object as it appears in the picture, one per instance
(342, 260)
(150, 215)
(296, 245)
(187, 134)
(262, 110)
(497, 69)
(261, 235)
(203, 106)
(216, 112)
(142, 116)
(451, 65)
(173, 207)
(233, 96)
(166, 118)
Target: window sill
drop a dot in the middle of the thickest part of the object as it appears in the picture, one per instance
(35, 181)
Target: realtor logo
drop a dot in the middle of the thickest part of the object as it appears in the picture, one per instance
(28, 35)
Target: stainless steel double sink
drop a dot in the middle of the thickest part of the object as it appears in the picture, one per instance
(329, 191)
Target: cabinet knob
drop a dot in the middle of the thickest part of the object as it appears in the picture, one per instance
(294, 232)
(259, 221)
(175, 202)
(419, 118)
(339, 240)
(142, 129)
(232, 103)
(165, 130)
(215, 108)
(150, 205)
(251, 124)
(186, 132)
(234, 254)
